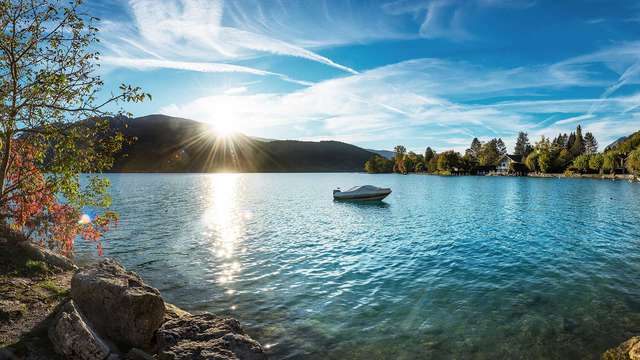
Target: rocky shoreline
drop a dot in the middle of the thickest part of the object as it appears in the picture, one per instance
(103, 312)
(108, 313)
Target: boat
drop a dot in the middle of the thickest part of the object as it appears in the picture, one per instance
(362, 193)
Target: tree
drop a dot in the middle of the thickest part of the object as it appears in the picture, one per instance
(428, 155)
(419, 167)
(501, 147)
(448, 160)
(596, 161)
(544, 161)
(531, 161)
(633, 162)
(609, 162)
(581, 163)
(48, 83)
(399, 152)
(475, 148)
(590, 143)
(523, 147)
(489, 154)
(378, 164)
(578, 147)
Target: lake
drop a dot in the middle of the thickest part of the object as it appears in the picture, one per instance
(445, 267)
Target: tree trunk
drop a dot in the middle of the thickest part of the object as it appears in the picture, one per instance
(4, 165)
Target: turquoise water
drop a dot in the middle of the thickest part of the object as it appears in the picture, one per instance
(458, 267)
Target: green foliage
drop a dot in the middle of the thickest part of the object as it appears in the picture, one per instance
(581, 163)
(419, 167)
(609, 161)
(429, 154)
(399, 152)
(448, 160)
(544, 161)
(378, 164)
(490, 153)
(596, 161)
(633, 161)
(35, 267)
(531, 162)
(49, 108)
(523, 147)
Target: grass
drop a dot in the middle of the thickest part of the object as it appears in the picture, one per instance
(49, 285)
(35, 267)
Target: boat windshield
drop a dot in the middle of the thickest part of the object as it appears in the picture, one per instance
(363, 187)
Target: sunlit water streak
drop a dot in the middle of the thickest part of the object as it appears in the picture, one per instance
(462, 267)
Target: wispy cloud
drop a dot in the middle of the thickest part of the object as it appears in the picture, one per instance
(147, 64)
(425, 96)
(190, 35)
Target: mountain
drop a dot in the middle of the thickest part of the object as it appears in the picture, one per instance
(384, 153)
(160, 143)
(614, 144)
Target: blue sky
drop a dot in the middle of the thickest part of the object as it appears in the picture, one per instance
(381, 73)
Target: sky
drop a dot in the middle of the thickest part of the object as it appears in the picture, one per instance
(380, 73)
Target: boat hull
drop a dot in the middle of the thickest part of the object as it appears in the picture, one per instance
(361, 197)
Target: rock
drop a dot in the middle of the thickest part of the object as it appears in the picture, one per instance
(118, 303)
(137, 354)
(628, 350)
(11, 310)
(172, 312)
(36, 252)
(73, 338)
(206, 336)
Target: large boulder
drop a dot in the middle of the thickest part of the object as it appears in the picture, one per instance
(206, 336)
(73, 338)
(118, 303)
(628, 350)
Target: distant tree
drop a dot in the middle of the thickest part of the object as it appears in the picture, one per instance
(378, 164)
(501, 147)
(581, 163)
(448, 160)
(633, 162)
(563, 159)
(561, 141)
(590, 143)
(409, 162)
(432, 165)
(531, 161)
(596, 161)
(609, 162)
(578, 146)
(398, 157)
(475, 148)
(544, 161)
(489, 154)
(523, 147)
(571, 139)
(428, 155)
(419, 167)
(370, 166)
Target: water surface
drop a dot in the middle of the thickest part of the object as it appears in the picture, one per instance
(446, 267)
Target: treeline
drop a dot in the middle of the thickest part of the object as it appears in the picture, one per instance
(624, 155)
(566, 152)
(479, 155)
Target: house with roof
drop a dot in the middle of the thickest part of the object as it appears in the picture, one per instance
(511, 165)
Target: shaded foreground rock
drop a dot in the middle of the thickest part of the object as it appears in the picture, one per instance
(628, 350)
(118, 304)
(73, 338)
(205, 336)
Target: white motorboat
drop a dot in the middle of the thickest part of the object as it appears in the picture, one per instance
(365, 192)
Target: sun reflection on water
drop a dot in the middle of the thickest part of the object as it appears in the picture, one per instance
(224, 221)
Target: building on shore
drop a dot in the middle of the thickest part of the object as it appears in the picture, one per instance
(511, 165)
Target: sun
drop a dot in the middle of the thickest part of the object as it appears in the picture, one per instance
(224, 128)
